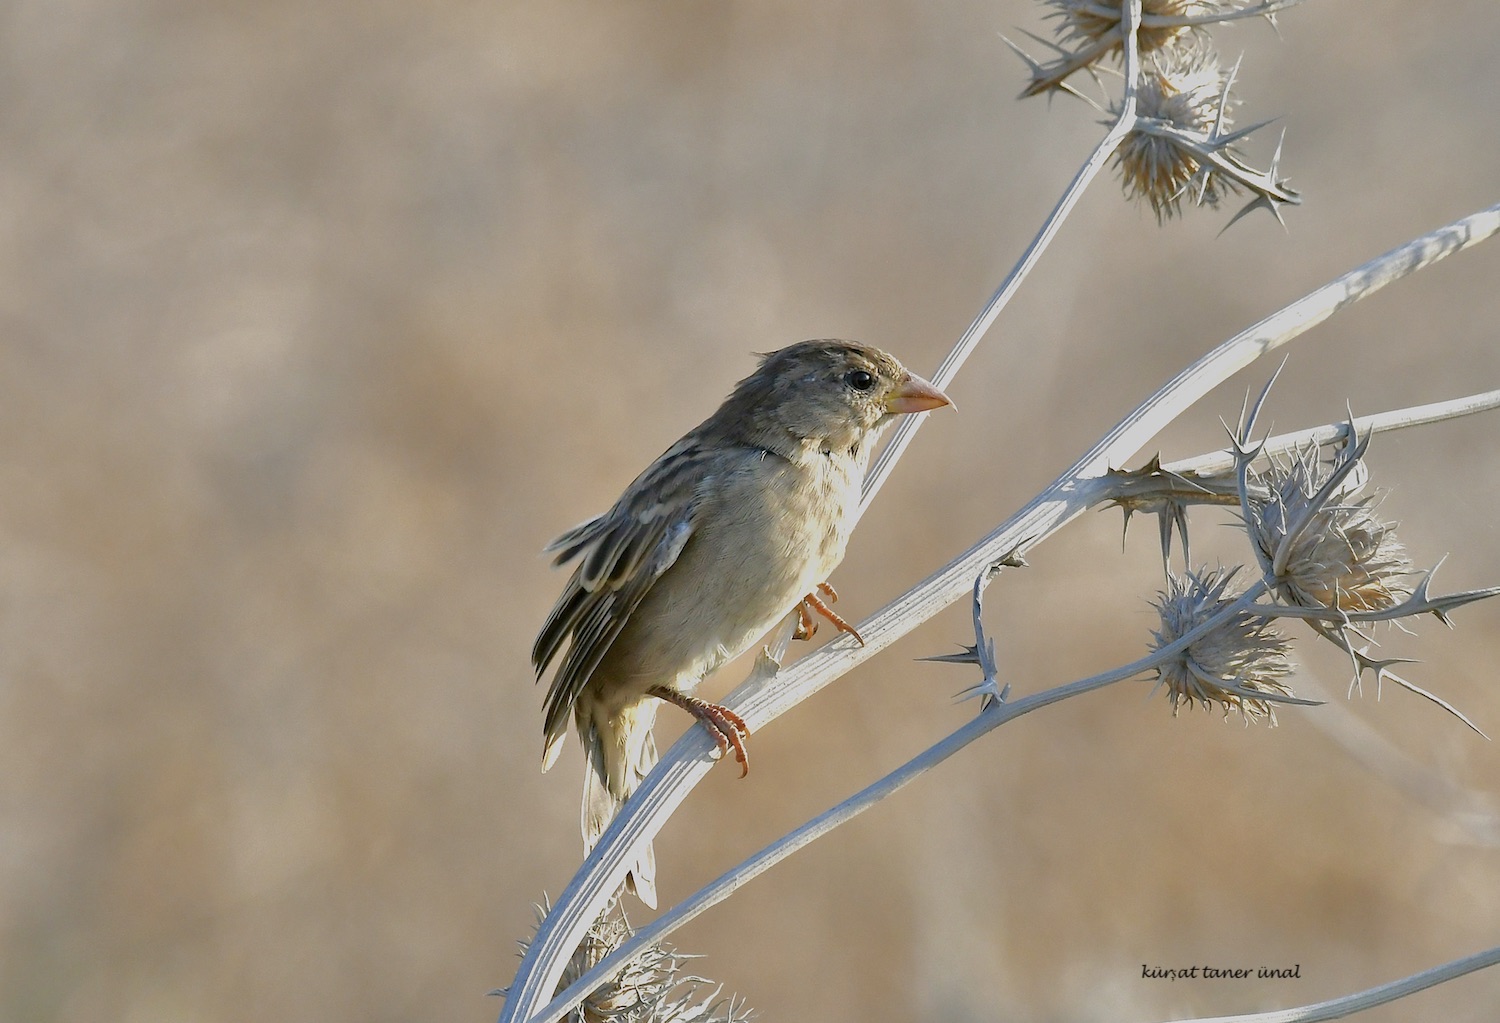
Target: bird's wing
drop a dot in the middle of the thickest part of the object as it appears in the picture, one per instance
(623, 553)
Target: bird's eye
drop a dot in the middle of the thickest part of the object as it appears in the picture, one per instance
(859, 379)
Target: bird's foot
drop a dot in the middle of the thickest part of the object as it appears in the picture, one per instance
(816, 604)
(807, 625)
(728, 728)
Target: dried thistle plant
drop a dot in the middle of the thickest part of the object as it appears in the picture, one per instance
(1322, 544)
(1175, 106)
(1179, 148)
(1328, 556)
(1087, 32)
(651, 988)
(1189, 92)
(1090, 22)
(1248, 650)
(1324, 556)
(1212, 647)
(1239, 661)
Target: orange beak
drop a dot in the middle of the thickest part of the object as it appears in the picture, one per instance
(915, 395)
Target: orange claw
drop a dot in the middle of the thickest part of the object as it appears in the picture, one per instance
(812, 601)
(728, 728)
(807, 625)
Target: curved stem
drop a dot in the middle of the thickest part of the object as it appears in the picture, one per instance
(1383, 422)
(997, 714)
(949, 367)
(685, 764)
(1348, 1005)
(767, 694)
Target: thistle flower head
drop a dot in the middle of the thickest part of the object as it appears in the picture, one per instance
(1238, 664)
(652, 988)
(1178, 145)
(1184, 102)
(1324, 545)
(1090, 22)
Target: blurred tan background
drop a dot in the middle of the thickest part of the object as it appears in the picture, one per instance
(319, 320)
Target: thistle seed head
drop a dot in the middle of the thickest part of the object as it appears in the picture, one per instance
(652, 988)
(1327, 550)
(1090, 22)
(1239, 664)
(1185, 90)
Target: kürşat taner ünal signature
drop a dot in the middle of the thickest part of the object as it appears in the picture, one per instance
(1293, 972)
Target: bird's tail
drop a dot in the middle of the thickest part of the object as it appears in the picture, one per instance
(620, 751)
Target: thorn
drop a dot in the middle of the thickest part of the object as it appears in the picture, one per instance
(1259, 202)
(968, 655)
(1260, 402)
(1222, 141)
(1224, 95)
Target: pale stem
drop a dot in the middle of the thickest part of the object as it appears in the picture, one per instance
(997, 715)
(1417, 415)
(948, 369)
(993, 717)
(1348, 1005)
(585, 897)
(761, 699)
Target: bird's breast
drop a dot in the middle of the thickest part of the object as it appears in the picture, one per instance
(765, 533)
(792, 519)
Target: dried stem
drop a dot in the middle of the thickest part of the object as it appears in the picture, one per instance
(768, 693)
(1124, 124)
(1348, 1005)
(684, 765)
(995, 714)
(1416, 415)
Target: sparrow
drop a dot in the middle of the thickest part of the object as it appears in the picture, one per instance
(736, 525)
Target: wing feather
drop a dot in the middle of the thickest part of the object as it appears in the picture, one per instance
(623, 553)
(600, 621)
(576, 539)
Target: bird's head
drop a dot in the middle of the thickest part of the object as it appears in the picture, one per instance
(836, 394)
